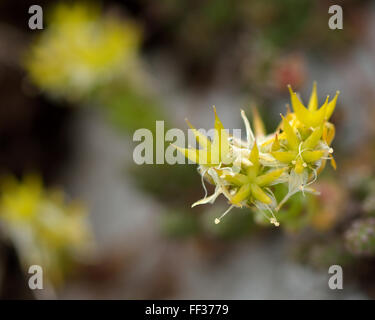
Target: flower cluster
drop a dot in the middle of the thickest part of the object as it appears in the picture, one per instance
(81, 50)
(245, 171)
(44, 229)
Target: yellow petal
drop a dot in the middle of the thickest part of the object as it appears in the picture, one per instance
(302, 114)
(199, 156)
(329, 133)
(312, 156)
(308, 117)
(218, 124)
(252, 171)
(322, 166)
(241, 194)
(313, 103)
(299, 166)
(259, 194)
(275, 144)
(304, 132)
(313, 139)
(220, 146)
(284, 156)
(268, 177)
(201, 138)
(325, 134)
(258, 123)
(237, 178)
(331, 106)
(333, 162)
(291, 136)
(318, 117)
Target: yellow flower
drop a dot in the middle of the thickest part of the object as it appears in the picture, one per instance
(44, 229)
(299, 153)
(312, 116)
(80, 50)
(253, 182)
(19, 203)
(245, 171)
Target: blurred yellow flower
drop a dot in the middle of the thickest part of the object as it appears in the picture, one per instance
(44, 229)
(80, 49)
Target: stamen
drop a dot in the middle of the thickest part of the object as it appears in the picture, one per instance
(275, 222)
(264, 215)
(273, 219)
(217, 220)
(282, 203)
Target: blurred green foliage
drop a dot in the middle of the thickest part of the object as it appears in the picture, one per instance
(167, 183)
(179, 224)
(130, 110)
(323, 252)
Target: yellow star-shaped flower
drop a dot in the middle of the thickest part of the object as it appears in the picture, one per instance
(251, 184)
(312, 116)
(298, 153)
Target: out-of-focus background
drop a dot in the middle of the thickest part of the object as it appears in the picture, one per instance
(73, 201)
